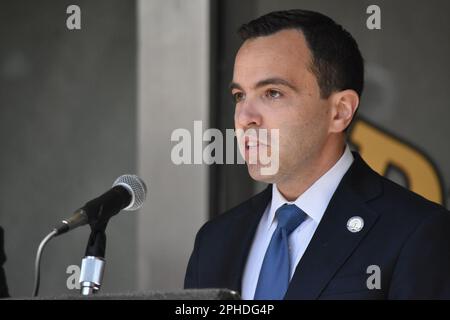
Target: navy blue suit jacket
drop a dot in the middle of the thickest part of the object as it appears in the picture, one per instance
(406, 236)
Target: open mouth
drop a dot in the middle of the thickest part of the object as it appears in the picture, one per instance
(252, 143)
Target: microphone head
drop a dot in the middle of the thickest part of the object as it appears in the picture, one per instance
(136, 187)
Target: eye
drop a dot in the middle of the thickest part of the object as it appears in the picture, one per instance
(273, 94)
(238, 96)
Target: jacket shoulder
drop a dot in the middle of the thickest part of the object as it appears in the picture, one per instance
(402, 201)
(229, 218)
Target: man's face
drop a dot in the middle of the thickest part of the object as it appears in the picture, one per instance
(274, 89)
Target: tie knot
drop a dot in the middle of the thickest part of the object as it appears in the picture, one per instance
(289, 217)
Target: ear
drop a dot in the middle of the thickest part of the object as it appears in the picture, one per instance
(343, 108)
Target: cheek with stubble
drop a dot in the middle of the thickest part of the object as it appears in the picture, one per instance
(300, 141)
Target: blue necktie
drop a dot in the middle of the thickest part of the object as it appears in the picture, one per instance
(275, 271)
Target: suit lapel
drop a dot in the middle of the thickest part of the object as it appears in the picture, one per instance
(242, 235)
(332, 242)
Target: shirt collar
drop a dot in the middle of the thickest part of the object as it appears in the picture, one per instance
(315, 199)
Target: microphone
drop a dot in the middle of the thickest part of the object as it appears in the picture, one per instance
(128, 193)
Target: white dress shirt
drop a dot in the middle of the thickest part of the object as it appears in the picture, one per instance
(313, 202)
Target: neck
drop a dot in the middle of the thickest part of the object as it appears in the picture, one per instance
(295, 185)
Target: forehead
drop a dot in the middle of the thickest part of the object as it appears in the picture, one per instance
(282, 54)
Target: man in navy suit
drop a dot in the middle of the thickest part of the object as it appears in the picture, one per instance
(327, 226)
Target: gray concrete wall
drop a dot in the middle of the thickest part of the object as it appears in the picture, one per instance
(173, 69)
(72, 119)
(67, 130)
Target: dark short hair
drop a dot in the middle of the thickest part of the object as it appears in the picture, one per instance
(336, 62)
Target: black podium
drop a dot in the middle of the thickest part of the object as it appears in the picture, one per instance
(192, 294)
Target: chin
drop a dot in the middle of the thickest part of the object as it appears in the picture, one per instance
(255, 173)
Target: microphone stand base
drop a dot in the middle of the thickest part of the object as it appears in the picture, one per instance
(91, 275)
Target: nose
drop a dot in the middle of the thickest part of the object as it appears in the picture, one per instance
(247, 115)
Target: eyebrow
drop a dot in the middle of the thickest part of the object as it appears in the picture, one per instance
(265, 82)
